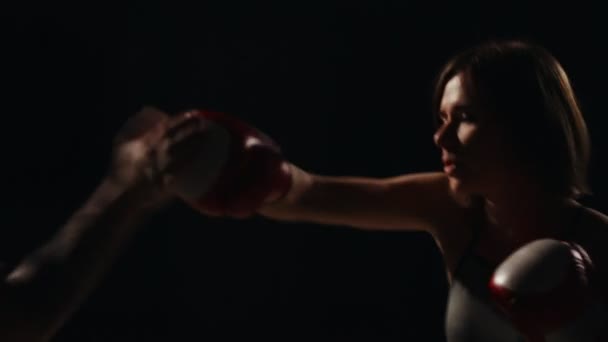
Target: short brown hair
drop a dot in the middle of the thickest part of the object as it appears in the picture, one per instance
(520, 80)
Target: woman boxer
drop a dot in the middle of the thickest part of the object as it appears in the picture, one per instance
(515, 150)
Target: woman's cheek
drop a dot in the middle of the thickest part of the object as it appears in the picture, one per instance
(467, 133)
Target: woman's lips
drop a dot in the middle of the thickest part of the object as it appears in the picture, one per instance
(450, 166)
(449, 169)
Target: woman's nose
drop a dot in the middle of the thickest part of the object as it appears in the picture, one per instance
(445, 136)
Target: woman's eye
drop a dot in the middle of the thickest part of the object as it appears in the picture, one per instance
(456, 117)
(465, 117)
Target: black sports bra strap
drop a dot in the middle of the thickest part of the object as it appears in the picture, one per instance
(476, 230)
(570, 230)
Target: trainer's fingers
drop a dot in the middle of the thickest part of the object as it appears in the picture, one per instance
(170, 156)
(141, 123)
(206, 211)
(189, 143)
(181, 121)
(188, 131)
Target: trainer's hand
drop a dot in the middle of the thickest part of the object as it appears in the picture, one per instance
(134, 148)
(221, 165)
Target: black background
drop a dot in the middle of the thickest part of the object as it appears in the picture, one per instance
(344, 87)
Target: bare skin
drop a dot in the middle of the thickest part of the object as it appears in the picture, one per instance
(479, 162)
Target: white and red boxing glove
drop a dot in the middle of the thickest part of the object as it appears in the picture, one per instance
(545, 288)
(233, 170)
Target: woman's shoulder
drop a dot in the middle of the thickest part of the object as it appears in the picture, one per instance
(592, 234)
(591, 228)
(593, 222)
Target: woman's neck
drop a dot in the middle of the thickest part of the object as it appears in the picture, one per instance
(529, 215)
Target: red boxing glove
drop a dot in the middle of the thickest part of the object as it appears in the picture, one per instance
(235, 171)
(545, 290)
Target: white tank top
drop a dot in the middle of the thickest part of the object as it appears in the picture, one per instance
(471, 316)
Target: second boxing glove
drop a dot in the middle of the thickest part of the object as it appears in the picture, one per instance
(545, 289)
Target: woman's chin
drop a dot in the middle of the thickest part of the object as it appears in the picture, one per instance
(460, 187)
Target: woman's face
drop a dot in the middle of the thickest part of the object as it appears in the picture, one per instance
(475, 149)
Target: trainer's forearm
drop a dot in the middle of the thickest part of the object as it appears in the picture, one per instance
(48, 285)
